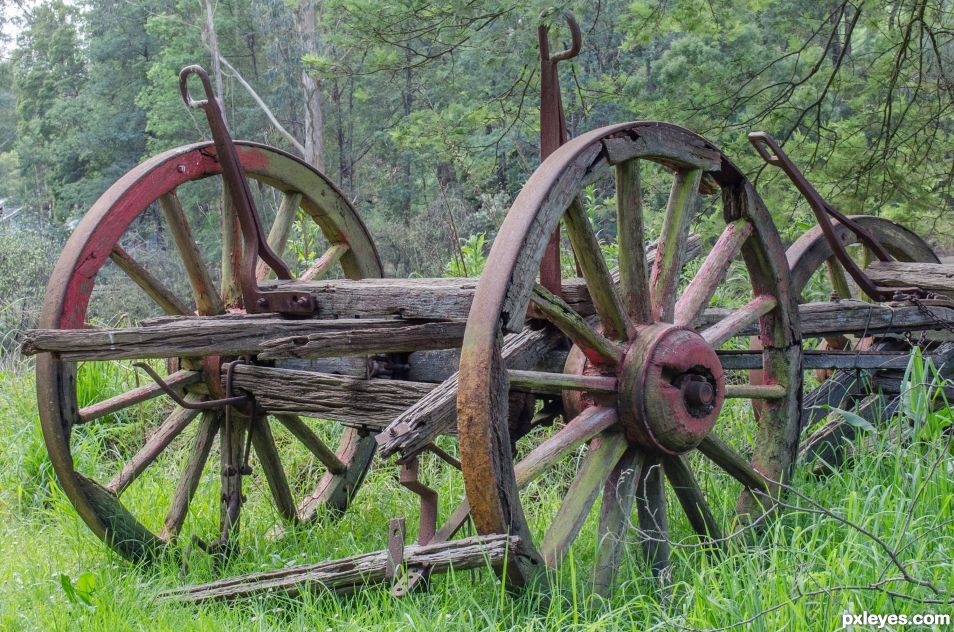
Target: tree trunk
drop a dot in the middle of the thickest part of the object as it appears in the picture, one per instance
(306, 23)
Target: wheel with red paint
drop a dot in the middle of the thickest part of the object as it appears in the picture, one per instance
(817, 276)
(653, 384)
(144, 209)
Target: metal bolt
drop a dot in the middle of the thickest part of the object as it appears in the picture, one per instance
(697, 391)
(262, 302)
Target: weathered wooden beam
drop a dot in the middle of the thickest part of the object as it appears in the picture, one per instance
(935, 277)
(373, 340)
(350, 573)
(440, 298)
(434, 299)
(351, 401)
(852, 317)
(436, 412)
(814, 359)
(239, 335)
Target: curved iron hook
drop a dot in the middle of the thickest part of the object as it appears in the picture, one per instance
(576, 39)
(204, 405)
(203, 76)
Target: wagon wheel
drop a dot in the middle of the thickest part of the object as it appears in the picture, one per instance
(303, 193)
(646, 364)
(817, 275)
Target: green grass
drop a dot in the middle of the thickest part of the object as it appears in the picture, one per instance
(797, 573)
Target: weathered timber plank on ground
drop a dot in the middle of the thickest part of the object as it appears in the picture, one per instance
(347, 574)
(351, 401)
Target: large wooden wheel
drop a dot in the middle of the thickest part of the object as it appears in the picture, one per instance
(643, 383)
(296, 191)
(818, 276)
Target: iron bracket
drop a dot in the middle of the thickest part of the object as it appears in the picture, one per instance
(771, 152)
(254, 243)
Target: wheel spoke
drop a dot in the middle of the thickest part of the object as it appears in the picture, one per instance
(306, 435)
(755, 391)
(271, 464)
(324, 263)
(633, 272)
(173, 425)
(232, 451)
(581, 429)
(734, 464)
(651, 509)
(605, 451)
(738, 320)
(231, 254)
(703, 286)
(336, 490)
(278, 233)
(691, 498)
(838, 279)
(589, 256)
(597, 347)
(136, 395)
(191, 474)
(543, 383)
(207, 299)
(669, 254)
(615, 511)
(163, 296)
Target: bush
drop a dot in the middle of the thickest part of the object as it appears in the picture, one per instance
(26, 259)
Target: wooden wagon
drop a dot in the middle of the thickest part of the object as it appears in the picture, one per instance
(616, 377)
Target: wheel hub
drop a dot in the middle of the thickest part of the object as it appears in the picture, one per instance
(671, 389)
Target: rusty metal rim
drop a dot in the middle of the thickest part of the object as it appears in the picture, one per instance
(500, 303)
(87, 249)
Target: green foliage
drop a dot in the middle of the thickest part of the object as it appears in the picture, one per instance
(470, 259)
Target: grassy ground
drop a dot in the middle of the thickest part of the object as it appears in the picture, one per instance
(802, 572)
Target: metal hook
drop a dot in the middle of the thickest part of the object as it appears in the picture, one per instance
(205, 405)
(576, 40)
(200, 72)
